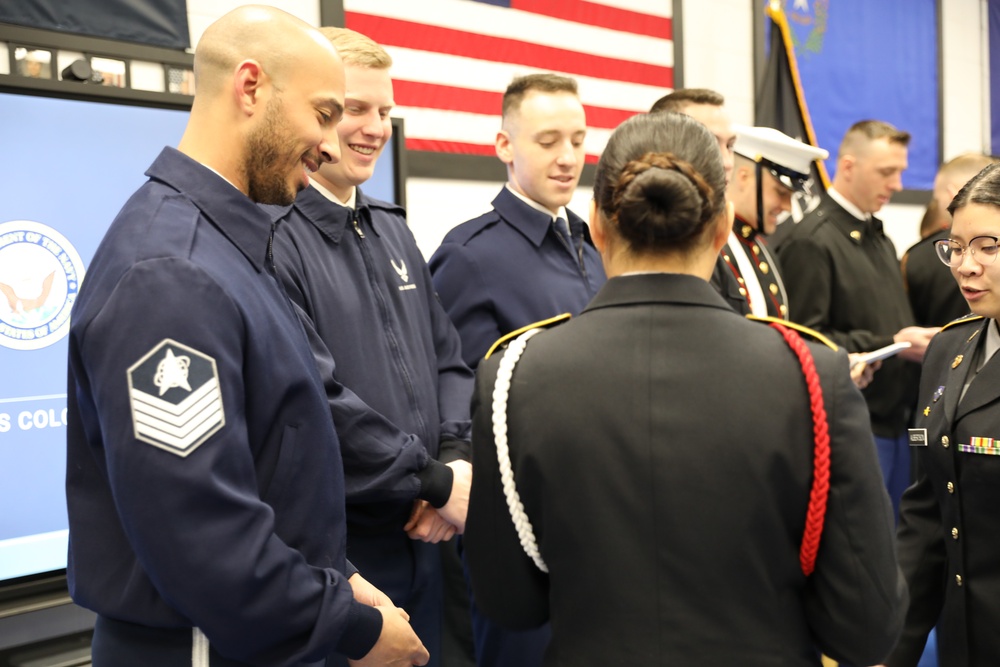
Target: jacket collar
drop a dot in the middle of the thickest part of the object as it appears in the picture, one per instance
(332, 219)
(854, 229)
(530, 222)
(645, 288)
(240, 220)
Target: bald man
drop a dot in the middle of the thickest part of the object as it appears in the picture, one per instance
(204, 479)
(934, 295)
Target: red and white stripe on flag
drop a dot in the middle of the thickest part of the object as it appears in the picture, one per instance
(452, 60)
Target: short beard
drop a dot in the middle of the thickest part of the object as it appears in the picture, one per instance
(265, 185)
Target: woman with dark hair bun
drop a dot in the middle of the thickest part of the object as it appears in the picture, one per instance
(659, 494)
(949, 542)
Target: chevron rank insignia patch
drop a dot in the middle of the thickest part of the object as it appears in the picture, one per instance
(175, 397)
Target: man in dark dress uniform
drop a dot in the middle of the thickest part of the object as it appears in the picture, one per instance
(843, 279)
(769, 167)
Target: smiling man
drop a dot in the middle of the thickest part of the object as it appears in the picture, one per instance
(843, 279)
(769, 166)
(388, 354)
(529, 258)
(526, 260)
(203, 478)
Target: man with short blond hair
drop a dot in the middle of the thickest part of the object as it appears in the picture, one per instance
(842, 276)
(388, 354)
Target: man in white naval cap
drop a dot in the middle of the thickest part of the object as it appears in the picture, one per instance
(769, 167)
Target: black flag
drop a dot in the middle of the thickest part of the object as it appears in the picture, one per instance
(781, 104)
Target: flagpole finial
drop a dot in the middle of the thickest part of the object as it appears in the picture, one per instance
(775, 5)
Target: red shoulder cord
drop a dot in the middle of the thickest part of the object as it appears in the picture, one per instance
(821, 452)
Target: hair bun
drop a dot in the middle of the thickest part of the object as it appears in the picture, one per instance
(661, 198)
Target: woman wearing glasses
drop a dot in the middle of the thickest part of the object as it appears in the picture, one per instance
(949, 531)
(662, 471)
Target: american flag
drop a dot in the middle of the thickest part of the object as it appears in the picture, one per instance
(452, 60)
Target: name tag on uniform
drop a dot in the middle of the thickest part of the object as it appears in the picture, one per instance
(979, 445)
(918, 437)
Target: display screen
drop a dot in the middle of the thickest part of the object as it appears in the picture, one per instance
(67, 168)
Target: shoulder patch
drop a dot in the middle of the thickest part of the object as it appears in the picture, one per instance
(811, 333)
(963, 320)
(175, 397)
(544, 324)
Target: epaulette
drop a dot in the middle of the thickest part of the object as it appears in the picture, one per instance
(971, 317)
(811, 333)
(552, 321)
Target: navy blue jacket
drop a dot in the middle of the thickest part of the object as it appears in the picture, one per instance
(233, 520)
(388, 354)
(509, 268)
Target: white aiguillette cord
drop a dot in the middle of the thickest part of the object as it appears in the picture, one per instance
(501, 391)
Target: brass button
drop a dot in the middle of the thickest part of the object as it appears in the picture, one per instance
(764, 268)
(954, 533)
(743, 292)
(958, 579)
(856, 235)
(725, 257)
(944, 441)
(774, 289)
(756, 250)
(783, 309)
(951, 488)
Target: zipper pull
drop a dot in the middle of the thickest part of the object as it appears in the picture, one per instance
(270, 249)
(357, 227)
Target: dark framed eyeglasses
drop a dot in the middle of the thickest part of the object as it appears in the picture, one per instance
(984, 250)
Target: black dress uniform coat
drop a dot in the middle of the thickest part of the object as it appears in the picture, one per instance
(843, 280)
(765, 271)
(949, 531)
(668, 492)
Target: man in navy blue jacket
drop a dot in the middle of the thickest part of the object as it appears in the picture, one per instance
(388, 354)
(203, 478)
(528, 259)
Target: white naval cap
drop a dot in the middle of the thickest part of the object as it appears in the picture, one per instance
(784, 156)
